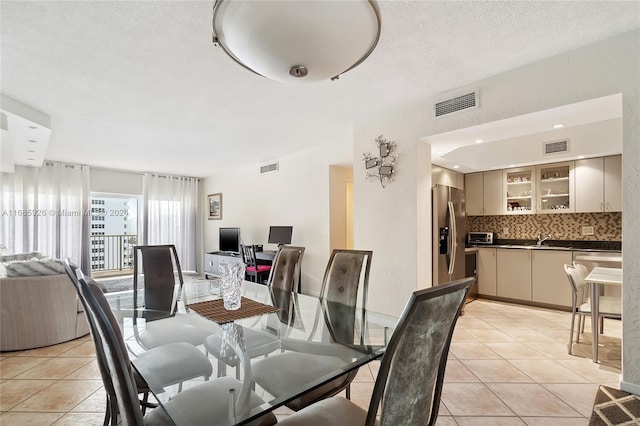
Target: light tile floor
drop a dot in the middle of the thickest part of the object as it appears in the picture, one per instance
(508, 365)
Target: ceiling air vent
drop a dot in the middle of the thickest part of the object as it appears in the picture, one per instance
(556, 147)
(459, 103)
(271, 167)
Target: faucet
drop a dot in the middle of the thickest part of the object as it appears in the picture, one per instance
(542, 239)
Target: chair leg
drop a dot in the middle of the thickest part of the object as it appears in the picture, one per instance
(107, 413)
(580, 318)
(583, 321)
(348, 391)
(573, 320)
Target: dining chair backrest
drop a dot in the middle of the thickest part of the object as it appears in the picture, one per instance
(576, 276)
(111, 352)
(285, 273)
(342, 276)
(410, 379)
(159, 265)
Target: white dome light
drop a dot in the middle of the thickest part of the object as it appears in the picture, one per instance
(297, 41)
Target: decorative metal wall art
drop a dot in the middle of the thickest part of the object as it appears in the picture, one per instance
(383, 166)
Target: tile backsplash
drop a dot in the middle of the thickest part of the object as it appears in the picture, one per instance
(566, 226)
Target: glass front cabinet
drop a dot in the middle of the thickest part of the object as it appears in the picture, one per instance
(555, 188)
(519, 190)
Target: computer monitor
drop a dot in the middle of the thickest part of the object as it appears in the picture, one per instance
(229, 240)
(280, 234)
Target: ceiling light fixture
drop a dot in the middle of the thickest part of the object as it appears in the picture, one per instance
(479, 140)
(302, 41)
(456, 167)
(580, 157)
(558, 126)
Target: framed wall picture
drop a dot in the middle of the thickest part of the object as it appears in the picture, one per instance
(214, 203)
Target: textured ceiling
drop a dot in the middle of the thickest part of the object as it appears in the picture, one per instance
(139, 85)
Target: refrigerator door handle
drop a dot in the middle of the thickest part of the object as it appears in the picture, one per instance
(453, 235)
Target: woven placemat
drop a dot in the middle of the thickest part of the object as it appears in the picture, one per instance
(214, 310)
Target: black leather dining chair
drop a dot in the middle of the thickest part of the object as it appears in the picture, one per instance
(171, 364)
(341, 284)
(157, 268)
(205, 403)
(285, 271)
(411, 375)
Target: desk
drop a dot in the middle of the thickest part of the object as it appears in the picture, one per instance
(600, 276)
(304, 322)
(266, 255)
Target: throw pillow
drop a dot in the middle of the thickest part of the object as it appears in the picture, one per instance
(28, 268)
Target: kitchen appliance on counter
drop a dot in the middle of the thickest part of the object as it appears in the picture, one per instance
(448, 217)
(481, 238)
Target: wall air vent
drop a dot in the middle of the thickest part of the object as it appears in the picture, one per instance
(271, 167)
(459, 103)
(556, 147)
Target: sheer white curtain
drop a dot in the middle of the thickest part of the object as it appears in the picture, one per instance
(170, 214)
(45, 209)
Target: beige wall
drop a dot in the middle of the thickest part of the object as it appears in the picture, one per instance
(297, 194)
(605, 68)
(339, 205)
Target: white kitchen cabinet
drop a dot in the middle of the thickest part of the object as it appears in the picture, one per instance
(555, 185)
(549, 282)
(513, 274)
(613, 183)
(487, 271)
(519, 191)
(598, 184)
(492, 192)
(474, 199)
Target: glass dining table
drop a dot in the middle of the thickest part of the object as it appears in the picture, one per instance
(349, 337)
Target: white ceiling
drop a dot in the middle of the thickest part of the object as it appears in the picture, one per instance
(139, 85)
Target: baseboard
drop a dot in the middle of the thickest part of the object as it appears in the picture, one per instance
(633, 388)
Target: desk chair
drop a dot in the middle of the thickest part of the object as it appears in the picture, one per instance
(201, 403)
(340, 285)
(254, 271)
(610, 307)
(409, 383)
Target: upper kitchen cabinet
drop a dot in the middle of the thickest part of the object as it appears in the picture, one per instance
(474, 194)
(598, 186)
(483, 193)
(519, 190)
(555, 188)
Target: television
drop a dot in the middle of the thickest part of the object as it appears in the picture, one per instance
(229, 240)
(280, 234)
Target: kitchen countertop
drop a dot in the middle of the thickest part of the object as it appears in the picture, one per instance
(542, 247)
(562, 245)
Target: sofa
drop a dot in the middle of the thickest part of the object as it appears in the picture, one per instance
(39, 310)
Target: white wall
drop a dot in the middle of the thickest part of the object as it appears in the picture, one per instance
(605, 68)
(297, 195)
(394, 221)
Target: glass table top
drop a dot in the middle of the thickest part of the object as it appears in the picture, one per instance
(335, 338)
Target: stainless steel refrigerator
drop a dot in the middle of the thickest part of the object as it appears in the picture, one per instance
(448, 217)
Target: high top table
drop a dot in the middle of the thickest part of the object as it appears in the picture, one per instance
(600, 276)
(303, 323)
